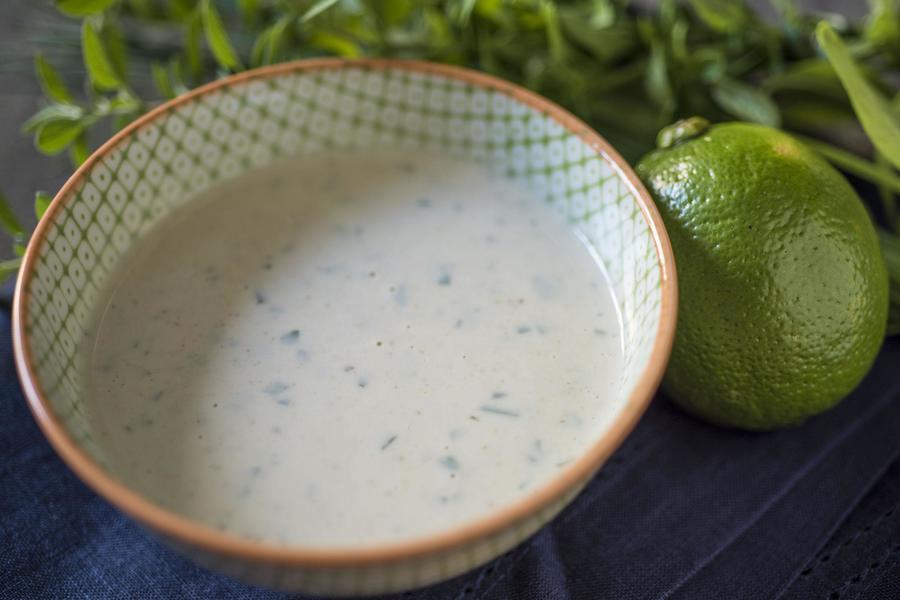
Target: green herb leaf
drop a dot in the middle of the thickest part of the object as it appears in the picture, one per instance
(116, 50)
(394, 12)
(42, 201)
(334, 44)
(259, 54)
(177, 76)
(316, 9)
(54, 112)
(656, 78)
(809, 76)
(9, 267)
(8, 220)
(438, 29)
(884, 22)
(604, 13)
(161, 79)
(100, 70)
(854, 164)
(143, 8)
(79, 150)
(555, 41)
(83, 8)
(725, 16)
(55, 127)
(887, 196)
(179, 10)
(55, 136)
(193, 53)
(465, 12)
(746, 102)
(250, 11)
(788, 10)
(881, 124)
(814, 114)
(607, 43)
(268, 45)
(50, 80)
(124, 104)
(217, 38)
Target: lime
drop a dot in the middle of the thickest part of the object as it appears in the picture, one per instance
(783, 288)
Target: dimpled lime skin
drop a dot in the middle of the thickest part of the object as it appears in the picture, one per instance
(783, 288)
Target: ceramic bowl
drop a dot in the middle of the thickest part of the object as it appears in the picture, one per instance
(247, 121)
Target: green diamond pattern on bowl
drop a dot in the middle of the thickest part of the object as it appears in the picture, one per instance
(227, 130)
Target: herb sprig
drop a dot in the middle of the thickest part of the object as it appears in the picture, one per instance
(627, 72)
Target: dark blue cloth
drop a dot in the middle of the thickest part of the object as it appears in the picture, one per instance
(682, 510)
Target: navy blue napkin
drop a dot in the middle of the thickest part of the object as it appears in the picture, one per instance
(682, 510)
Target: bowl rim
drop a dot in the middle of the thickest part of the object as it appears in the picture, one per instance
(181, 529)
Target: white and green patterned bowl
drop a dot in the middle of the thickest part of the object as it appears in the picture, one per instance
(247, 121)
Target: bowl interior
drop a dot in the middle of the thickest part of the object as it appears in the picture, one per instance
(250, 122)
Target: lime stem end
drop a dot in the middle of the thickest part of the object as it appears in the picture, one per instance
(681, 131)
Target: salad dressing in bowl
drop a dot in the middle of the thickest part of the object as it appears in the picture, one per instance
(351, 349)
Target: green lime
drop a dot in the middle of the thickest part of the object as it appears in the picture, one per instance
(783, 288)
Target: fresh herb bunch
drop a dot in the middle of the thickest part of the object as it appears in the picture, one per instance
(627, 72)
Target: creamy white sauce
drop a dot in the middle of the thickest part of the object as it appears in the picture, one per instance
(353, 349)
